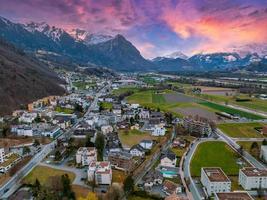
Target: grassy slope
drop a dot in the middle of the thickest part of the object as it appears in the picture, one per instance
(244, 130)
(214, 154)
(43, 173)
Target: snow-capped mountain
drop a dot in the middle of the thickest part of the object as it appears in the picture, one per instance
(244, 50)
(42, 27)
(177, 54)
(89, 38)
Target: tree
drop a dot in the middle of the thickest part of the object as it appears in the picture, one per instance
(128, 184)
(57, 155)
(90, 196)
(26, 150)
(88, 142)
(99, 144)
(36, 143)
(241, 150)
(66, 183)
(131, 121)
(78, 108)
(255, 150)
(264, 142)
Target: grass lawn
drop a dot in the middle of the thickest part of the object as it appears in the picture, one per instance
(118, 176)
(229, 110)
(123, 90)
(247, 144)
(158, 98)
(134, 197)
(241, 130)
(83, 85)
(179, 151)
(64, 110)
(106, 105)
(214, 154)
(43, 173)
(132, 137)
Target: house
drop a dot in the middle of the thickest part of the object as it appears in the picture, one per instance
(121, 160)
(146, 144)
(117, 109)
(137, 150)
(253, 178)
(197, 127)
(123, 125)
(263, 154)
(100, 172)
(64, 121)
(134, 106)
(22, 130)
(144, 114)
(106, 129)
(232, 196)
(215, 180)
(179, 143)
(168, 159)
(152, 178)
(170, 187)
(2, 155)
(90, 133)
(135, 127)
(158, 131)
(113, 143)
(86, 155)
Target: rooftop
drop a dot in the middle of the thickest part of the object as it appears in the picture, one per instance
(216, 174)
(251, 171)
(234, 196)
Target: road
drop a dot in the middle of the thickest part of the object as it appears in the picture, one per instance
(14, 183)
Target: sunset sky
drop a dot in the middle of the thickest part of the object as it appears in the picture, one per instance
(155, 27)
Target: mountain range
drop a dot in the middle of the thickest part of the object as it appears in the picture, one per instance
(23, 79)
(79, 47)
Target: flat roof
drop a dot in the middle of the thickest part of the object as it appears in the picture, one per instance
(251, 171)
(216, 174)
(234, 196)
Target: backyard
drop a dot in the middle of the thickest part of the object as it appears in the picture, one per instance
(129, 138)
(241, 130)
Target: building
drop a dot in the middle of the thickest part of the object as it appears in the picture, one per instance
(158, 131)
(168, 159)
(253, 178)
(2, 155)
(9, 161)
(197, 127)
(86, 155)
(146, 144)
(232, 196)
(264, 152)
(144, 114)
(51, 132)
(137, 150)
(27, 117)
(121, 160)
(106, 129)
(215, 180)
(100, 172)
(170, 187)
(152, 178)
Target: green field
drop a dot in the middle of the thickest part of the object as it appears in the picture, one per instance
(123, 90)
(231, 111)
(214, 154)
(247, 144)
(83, 85)
(254, 103)
(241, 130)
(129, 138)
(64, 110)
(106, 105)
(44, 174)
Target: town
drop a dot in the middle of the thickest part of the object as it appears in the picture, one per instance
(136, 136)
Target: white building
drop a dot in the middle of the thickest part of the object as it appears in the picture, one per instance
(100, 172)
(158, 131)
(144, 114)
(168, 159)
(86, 155)
(27, 117)
(137, 150)
(253, 178)
(106, 129)
(146, 144)
(215, 180)
(52, 132)
(2, 155)
(264, 152)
